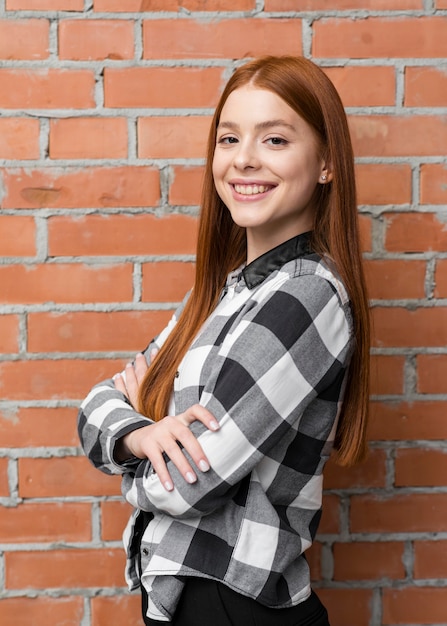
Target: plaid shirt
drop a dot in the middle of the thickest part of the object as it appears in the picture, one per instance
(270, 365)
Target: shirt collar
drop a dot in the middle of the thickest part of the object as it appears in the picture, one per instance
(257, 271)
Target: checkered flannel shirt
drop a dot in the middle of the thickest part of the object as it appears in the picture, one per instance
(270, 364)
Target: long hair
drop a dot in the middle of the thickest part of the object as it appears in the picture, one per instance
(221, 243)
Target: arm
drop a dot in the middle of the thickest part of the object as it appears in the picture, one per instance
(285, 352)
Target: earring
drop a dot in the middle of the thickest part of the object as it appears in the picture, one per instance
(323, 177)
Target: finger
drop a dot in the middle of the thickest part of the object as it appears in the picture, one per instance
(153, 354)
(132, 384)
(160, 468)
(199, 413)
(140, 367)
(120, 385)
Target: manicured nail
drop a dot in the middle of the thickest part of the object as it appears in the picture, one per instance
(116, 376)
(191, 478)
(204, 465)
(214, 425)
(169, 486)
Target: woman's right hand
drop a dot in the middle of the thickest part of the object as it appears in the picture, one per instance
(164, 437)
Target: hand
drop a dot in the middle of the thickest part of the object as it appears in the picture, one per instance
(134, 374)
(165, 436)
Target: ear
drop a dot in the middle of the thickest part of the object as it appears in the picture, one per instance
(326, 175)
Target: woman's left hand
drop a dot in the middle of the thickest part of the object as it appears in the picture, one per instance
(134, 374)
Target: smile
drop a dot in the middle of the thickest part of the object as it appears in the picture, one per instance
(252, 190)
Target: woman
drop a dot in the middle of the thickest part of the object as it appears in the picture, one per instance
(261, 372)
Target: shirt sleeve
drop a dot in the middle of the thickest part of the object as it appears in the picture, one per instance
(106, 415)
(281, 355)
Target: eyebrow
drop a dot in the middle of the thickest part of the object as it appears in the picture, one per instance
(260, 126)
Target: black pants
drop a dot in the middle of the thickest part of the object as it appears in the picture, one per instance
(205, 602)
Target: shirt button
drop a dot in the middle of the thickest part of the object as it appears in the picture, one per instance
(145, 551)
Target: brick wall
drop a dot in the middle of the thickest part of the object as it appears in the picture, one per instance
(104, 107)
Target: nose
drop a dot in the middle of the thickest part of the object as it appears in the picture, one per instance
(245, 156)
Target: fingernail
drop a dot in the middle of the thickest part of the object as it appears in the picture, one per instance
(214, 425)
(169, 486)
(191, 478)
(129, 365)
(204, 465)
(116, 376)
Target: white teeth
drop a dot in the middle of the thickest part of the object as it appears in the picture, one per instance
(250, 190)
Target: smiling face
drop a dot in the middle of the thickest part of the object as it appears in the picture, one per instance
(266, 167)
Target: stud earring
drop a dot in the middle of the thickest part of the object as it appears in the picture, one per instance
(323, 177)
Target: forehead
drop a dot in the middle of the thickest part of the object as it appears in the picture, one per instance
(254, 103)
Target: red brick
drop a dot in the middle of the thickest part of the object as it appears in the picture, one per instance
(174, 5)
(430, 559)
(87, 40)
(413, 513)
(425, 87)
(416, 467)
(43, 523)
(116, 610)
(397, 326)
(233, 38)
(173, 137)
(431, 373)
(441, 4)
(186, 185)
(364, 86)
(441, 278)
(100, 235)
(347, 606)
(19, 138)
(395, 279)
(370, 473)
(379, 37)
(81, 188)
(218, 5)
(45, 5)
(55, 379)
(380, 183)
(64, 477)
(414, 605)
(167, 281)
(415, 232)
(391, 136)
(38, 426)
(4, 482)
(88, 138)
(330, 519)
(135, 6)
(433, 184)
(16, 611)
(313, 557)
(9, 334)
(341, 5)
(24, 39)
(90, 331)
(368, 560)
(58, 569)
(114, 517)
(10, 244)
(162, 87)
(46, 89)
(66, 283)
(387, 374)
(408, 420)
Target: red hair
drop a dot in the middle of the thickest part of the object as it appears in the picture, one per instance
(221, 243)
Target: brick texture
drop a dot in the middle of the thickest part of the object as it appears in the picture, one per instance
(104, 113)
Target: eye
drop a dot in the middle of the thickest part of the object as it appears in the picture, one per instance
(277, 141)
(228, 139)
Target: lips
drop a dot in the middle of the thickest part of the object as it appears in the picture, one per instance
(251, 190)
